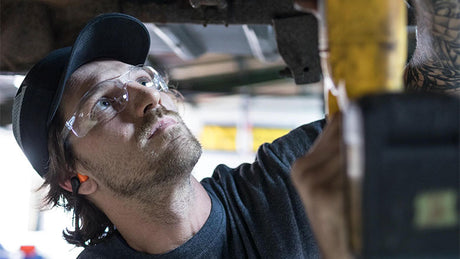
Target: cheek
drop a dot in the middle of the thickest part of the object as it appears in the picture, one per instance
(117, 129)
(110, 136)
(110, 143)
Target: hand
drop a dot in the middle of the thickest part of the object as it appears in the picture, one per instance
(319, 178)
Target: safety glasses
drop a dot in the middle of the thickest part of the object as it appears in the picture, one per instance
(108, 98)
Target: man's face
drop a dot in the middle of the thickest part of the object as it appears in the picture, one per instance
(145, 145)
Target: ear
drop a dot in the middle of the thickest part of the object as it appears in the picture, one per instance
(86, 188)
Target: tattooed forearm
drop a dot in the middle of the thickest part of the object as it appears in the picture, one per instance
(435, 65)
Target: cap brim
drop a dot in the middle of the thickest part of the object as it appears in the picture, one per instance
(111, 36)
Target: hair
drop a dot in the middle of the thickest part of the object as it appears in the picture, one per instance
(94, 225)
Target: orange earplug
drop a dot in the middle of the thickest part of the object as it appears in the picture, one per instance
(82, 178)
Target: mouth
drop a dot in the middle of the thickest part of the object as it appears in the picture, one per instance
(161, 126)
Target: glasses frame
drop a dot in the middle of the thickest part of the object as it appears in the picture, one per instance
(157, 81)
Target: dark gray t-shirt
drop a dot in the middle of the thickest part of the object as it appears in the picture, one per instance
(256, 212)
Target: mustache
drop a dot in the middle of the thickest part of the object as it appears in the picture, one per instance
(151, 118)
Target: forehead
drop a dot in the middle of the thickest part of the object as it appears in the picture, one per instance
(87, 76)
(93, 73)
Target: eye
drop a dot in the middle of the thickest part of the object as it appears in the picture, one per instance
(101, 105)
(103, 109)
(147, 82)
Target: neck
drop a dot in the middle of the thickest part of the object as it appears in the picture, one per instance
(162, 223)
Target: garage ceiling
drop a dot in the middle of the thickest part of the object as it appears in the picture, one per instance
(206, 45)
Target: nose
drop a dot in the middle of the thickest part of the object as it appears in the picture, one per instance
(142, 99)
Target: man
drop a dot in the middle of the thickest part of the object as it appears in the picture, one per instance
(105, 135)
(128, 155)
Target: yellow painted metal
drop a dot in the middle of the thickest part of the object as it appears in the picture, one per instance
(223, 138)
(215, 137)
(365, 53)
(367, 46)
(266, 135)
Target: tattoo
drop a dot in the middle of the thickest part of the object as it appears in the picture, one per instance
(435, 65)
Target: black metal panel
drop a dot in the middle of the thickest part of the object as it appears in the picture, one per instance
(297, 39)
(411, 181)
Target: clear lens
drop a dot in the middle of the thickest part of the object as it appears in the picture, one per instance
(158, 81)
(105, 100)
(99, 105)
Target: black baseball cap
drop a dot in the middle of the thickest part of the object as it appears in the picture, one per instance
(111, 36)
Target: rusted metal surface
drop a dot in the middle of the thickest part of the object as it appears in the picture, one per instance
(29, 29)
(26, 34)
(221, 4)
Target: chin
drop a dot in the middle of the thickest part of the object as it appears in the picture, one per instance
(179, 156)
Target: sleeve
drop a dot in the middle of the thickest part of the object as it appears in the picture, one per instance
(265, 214)
(282, 153)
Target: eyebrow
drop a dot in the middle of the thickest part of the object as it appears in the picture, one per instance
(91, 79)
